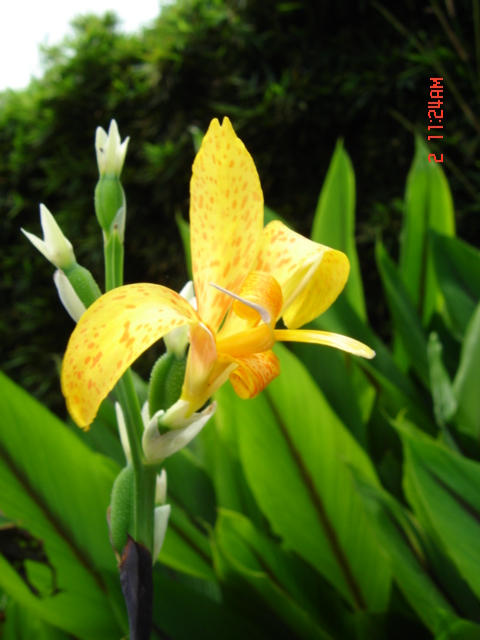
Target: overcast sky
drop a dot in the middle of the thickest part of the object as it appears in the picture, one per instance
(25, 24)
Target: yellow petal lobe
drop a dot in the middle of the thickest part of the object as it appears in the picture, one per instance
(254, 373)
(344, 343)
(311, 275)
(112, 334)
(226, 219)
(260, 288)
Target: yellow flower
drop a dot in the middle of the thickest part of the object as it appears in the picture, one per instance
(246, 277)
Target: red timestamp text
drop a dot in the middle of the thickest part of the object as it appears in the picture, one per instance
(435, 113)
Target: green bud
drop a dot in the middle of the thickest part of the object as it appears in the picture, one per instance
(122, 508)
(83, 284)
(110, 204)
(166, 382)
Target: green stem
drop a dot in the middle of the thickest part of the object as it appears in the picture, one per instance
(113, 249)
(145, 475)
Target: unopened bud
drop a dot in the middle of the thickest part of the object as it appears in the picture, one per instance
(55, 246)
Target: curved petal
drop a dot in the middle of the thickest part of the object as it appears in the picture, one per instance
(112, 334)
(226, 219)
(311, 275)
(329, 339)
(253, 373)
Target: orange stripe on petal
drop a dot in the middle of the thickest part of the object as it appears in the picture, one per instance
(226, 219)
(329, 339)
(254, 373)
(112, 334)
(311, 275)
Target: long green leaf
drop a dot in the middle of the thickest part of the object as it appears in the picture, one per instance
(466, 385)
(288, 586)
(428, 205)
(406, 320)
(294, 448)
(22, 625)
(58, 490)
(442, 487)
(334, 222)
(399, 537)
(457, 267)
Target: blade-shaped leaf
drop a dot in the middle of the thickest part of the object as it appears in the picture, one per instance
(334, 222)
(186, 546)
(290, 588)
(428, 205)
(21, 625)
(294, 448)
(442, 487)
(466, 385)
(399, 537)
(59, 490)
(457, 267)
(406, 320)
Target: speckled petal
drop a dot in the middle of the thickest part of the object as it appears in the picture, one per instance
(112, 334)
(226, 219)
(329, 339)
(311, 275)
(253, 373)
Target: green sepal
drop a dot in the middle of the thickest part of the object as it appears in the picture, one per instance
(122, 508)
(166, 382)
(83, 283)
(109, 201)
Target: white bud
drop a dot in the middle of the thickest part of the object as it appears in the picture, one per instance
(177, 340)
(157, 446)
(68, 296)
(110, 150)
(122, 429)
(160, 522)
(55, 246)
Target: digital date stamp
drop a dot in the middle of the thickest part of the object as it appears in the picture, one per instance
(435, 113)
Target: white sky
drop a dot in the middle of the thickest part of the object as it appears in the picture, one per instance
(25, 24)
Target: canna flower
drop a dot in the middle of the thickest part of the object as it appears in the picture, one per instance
(246, 277)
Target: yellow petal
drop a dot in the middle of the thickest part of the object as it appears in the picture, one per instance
(226, 219)
(324, 337)
(112, 334)
(260, 288)
(201, 361)
(311, 275)
(254, 373)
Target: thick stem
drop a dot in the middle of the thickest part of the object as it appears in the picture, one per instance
(144, 474)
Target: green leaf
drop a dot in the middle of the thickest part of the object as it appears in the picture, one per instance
(186, 546)
(444, 401)
(398, 536)
(406, 320)
(269, 216)
(457, 267)
(190, 486)
(288, 586)
(294, 448)
(428, 205)
(182, 613)
(334, 222)
(184, 229)
(22, 625)
(442, 487)
(59, 490)
(466, 385)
